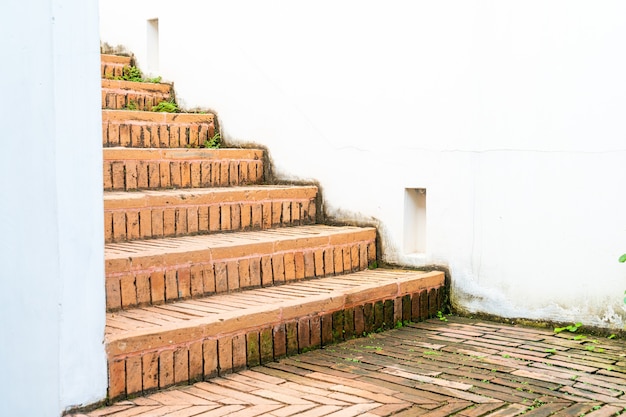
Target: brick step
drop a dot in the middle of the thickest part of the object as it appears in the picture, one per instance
(117, 94)
(167, 213)
(139, 169)
(164, 270)
(138, 129)
(112, 65)
(156, 347)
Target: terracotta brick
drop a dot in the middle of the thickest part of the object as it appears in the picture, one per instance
(239, 352)
(180, 222)
(150, 367)
(244, 273)
(221, 277)
(315, 324)
(132, 225)
(277, 211)
(119, 226)
(278, 268)
(423, 304)
(233, 173)
(108, 226)
(171, 286)
(266, 345)
(266, 215)
(299, 265)
(280, 341)
(125, 135)
(338, 260)
(164, 174)
(371, 252)
(291, 331)
(296, 207)
(195, 174)
(226, 219)
(196, 280)
(134, 377)
(406, 308)
(181, 365)
(142, 282)
(267, 275)
(157, 223)
(169, 222)
(157, 287)
(128, 291)
(338, 326)
(257, 216)
(203, 219)
(415, 307)
(327, 329)
(304, 334)
(174, 137)
(175, 174)
(348, 323)
(329, 262)
(154, 175)
(286, 215)
(118, 175)
(216, 172)
(136, 136)
(185, 174)
(117, 378)
(347, 259)
(215, 223)
(253, 349)
(113, 138)
(224, 170)
(397, 310)
(208, 279)
(255, 272)
(166, 368)
(368, 317)
(232, 273)
(388, 313)
(363, 261)
(145, 224)
(290, 266)
(205, 174)
(142, 175)
(210, 358)
(195, 361)
(319, 263)
(354, 257)
(107, 176)
(433, 302)
(225, 355)
(184, 282)
(359, 321)
(379, 318)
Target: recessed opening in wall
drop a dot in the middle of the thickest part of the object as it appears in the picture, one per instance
(153, 45)
(415, 220)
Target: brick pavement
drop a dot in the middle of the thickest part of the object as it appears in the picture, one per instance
(460, 367)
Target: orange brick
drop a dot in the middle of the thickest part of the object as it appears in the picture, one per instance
(243, 172)
(224, 170)
(145, 224)
(113, 294)
(295, 212)
(225, 354)
(107, 176)
(266, 345)
(108, 226)
(290, 266)
(363, 261)
(244, 273)
(157, 287)
(117, 378)
(166, 368)
(181, 365)
(255, 272)
(232, 272)
(280, 341)
(175, 174)
(235, 215)
(257, 212)
(233, 173)
(196, 280)
(180, 222)
(195, 361)
(239, 352)
(215, 223)
(225, 217)
(142, 175)
(304, 334)
(154, 175)
(278, 268)
(157, 223)
(354, 257)
(216, 172)
(142, 281)
(129, 291)
(203, 219)
(169, 222)
(267, 276)
(119, 226)
(318, 257)
(185, 174)
(347, 259)
(135, 136)
(315, 332)
(174, 137)
(221, 277)
(134, 377)
(150, 370)
(184, 282)
(208, 279)
(299, 265)
(195, 174)
(171, 287)
(125, 135)
(118, 175)
(205, 174)
(329, 262)
(132, 225)
(277, 211)
(210, 359)
(164, 174)
(338, 260)
(309, 264)
(266, 215)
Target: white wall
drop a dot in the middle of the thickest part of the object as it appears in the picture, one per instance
(509, 113)
(51, 231)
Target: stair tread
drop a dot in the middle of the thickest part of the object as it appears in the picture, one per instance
(304, 234)
(217, 314)
(155, 198)
(137, 117)
(123, 153)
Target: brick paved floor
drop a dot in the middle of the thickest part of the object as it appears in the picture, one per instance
(457, 367)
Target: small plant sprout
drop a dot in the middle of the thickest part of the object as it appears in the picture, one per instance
(571, 328)
(214, 142)
(441, 317)
(166, 106)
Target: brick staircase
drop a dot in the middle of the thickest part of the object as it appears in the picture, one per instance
(210, 268)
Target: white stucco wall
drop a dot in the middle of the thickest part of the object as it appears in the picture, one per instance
(51, 233)
(509, 113)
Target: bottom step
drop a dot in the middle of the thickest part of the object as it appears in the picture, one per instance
(155, 347)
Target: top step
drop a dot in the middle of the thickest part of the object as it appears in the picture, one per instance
(111, 66)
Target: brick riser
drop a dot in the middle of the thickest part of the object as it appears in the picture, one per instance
(161, 169)
(111, 66)
(133, 280)
(118, 95)
(212, 211)
(156, 129)
(218, 350)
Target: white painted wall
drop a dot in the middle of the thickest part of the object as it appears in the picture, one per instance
(51, 233)
(509, 113)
